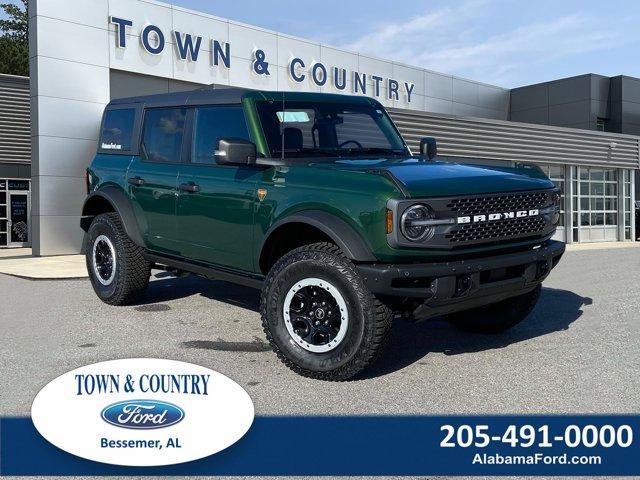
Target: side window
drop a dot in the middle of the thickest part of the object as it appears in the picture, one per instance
(212, 124)
(163, 133)
(117, 129)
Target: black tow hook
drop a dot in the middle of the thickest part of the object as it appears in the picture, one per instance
(463, 285)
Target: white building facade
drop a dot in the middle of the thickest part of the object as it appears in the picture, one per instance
(82, 54)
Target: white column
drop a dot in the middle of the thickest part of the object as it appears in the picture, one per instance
(69, 63)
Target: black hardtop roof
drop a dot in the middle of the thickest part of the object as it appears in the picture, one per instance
(192, 97)
(227, 96)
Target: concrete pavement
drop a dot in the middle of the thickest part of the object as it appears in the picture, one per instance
(44, 268)
(578, 351)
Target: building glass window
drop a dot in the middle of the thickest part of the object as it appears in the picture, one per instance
(4, 221)
(627, 203)
(596, 197)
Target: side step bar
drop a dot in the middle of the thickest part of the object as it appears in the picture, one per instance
(208, 271)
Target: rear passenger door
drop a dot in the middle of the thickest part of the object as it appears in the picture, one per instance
(216, 202)
(152, 176)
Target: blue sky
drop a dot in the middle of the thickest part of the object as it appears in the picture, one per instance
(503, 42)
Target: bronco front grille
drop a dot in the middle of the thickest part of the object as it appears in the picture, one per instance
(496, 230)
(475, 220)
(499, 203)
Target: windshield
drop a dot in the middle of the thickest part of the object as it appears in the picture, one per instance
(328, 129)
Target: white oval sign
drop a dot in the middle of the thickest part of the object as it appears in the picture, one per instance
(142, 412)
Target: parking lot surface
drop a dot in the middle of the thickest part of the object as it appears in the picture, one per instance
(579, 352)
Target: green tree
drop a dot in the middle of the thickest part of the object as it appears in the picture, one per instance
(14, 42)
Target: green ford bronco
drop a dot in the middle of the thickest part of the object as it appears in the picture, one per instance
(316, 200)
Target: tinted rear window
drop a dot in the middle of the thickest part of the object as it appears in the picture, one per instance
(117, 129)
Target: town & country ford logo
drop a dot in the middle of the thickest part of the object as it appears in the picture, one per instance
(147, 400)
(142, 414)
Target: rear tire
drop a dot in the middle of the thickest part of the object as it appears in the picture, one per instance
(499, 317)
(318, 315)
(118, 271)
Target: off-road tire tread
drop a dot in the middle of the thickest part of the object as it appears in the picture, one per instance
(137, 269)
(381, 316)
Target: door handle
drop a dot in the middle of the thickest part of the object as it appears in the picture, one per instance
(190, 187)
(136, 181)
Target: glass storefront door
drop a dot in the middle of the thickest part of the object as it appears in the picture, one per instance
(15, 212)
(595, 216)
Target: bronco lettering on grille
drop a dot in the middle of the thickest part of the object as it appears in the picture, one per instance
(490, 217)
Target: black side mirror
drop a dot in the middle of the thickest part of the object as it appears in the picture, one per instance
(428, 147)
(235, 151)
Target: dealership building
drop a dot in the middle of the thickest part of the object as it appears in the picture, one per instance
(582, 131)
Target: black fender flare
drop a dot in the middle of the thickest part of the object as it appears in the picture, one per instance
(343, 234)
(122, 206)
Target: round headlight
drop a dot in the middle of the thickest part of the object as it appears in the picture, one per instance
(411, 223)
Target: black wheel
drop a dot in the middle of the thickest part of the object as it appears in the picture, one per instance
(318, 315)
(117, 268)
(498, 317)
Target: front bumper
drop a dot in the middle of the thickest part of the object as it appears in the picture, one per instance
(448, 287)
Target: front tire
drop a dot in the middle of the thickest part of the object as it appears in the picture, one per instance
(118, 271)
(498, 317)
(318, 315)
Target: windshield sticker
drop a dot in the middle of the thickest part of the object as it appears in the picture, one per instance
(293, 117)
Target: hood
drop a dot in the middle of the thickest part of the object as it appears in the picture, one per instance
(441, 179)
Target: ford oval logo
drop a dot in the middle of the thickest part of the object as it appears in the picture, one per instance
(142, 414)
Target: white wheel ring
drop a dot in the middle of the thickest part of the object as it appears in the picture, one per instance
(342, 305)
(107, 241)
